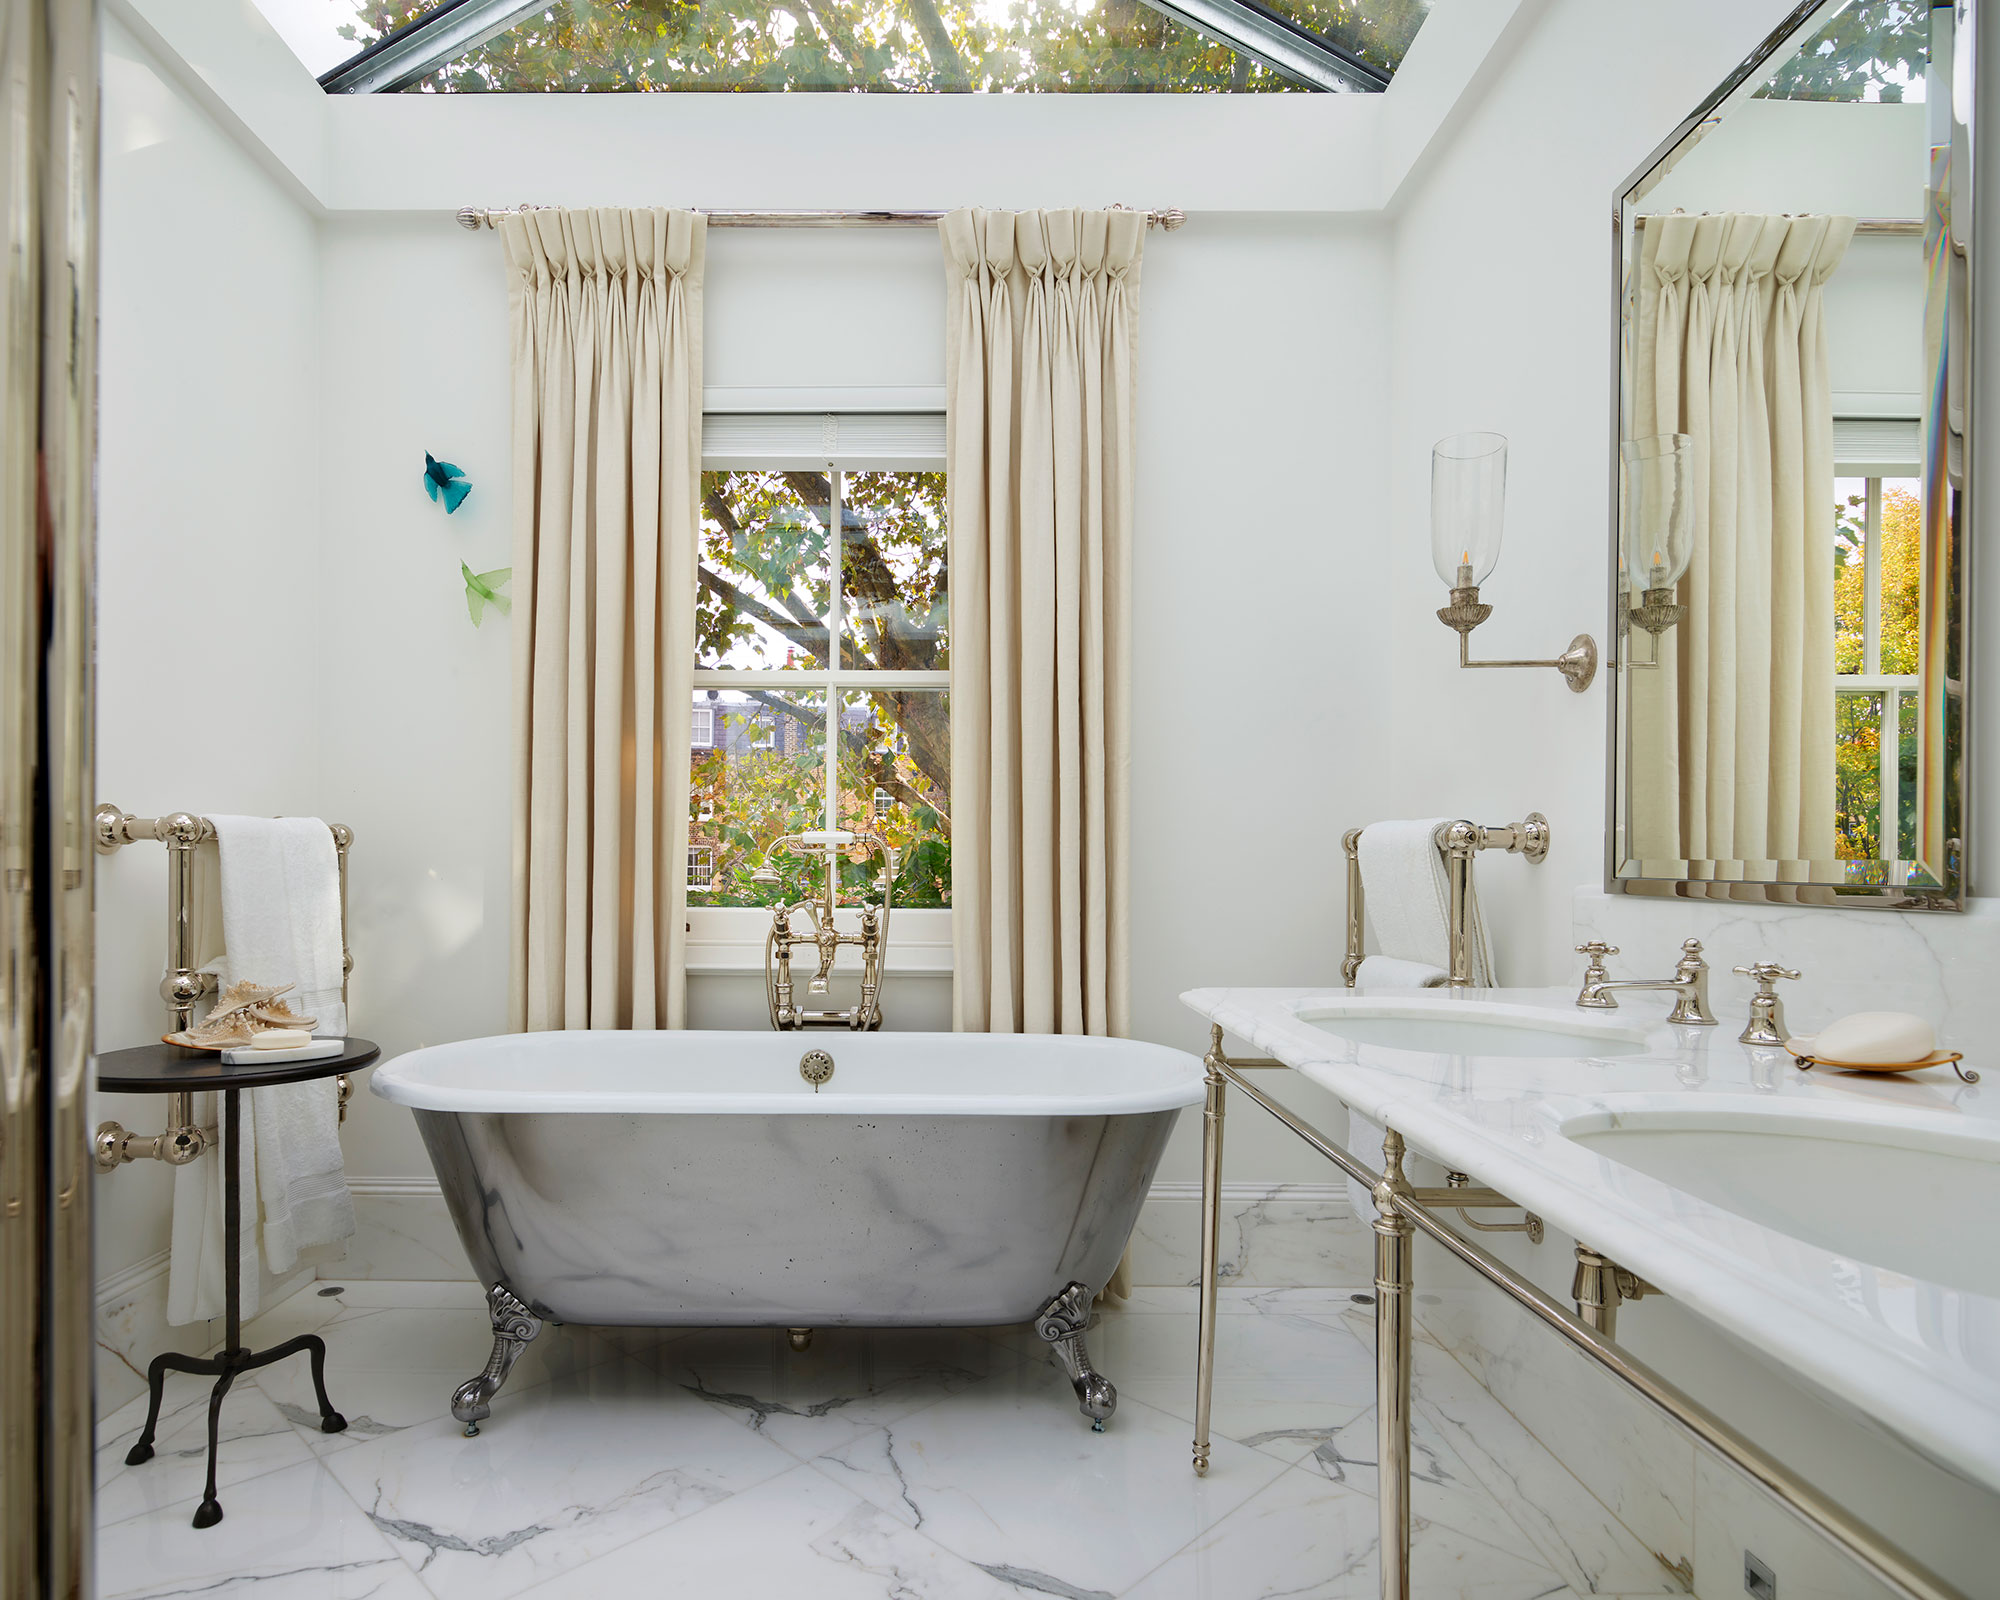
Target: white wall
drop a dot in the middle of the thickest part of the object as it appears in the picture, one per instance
(209, 537)
(1503, 297)
(1262, 406)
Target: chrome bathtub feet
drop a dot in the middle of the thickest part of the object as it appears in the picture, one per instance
(1061, 1322)
(513, 1326)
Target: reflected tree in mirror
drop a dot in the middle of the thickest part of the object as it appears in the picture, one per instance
(1873, 50)
(892, 46)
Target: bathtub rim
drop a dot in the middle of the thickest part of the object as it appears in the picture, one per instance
(1183, 1086)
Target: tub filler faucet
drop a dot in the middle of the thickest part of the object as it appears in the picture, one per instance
(823, 937)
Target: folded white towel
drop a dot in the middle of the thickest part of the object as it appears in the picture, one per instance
(1364, 1138)
(1409, 897)
(267, 908)
(1389, 972)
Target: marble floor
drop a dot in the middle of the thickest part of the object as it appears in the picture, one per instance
(902, 1465)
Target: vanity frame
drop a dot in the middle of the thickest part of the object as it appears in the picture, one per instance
(1951, 867)
(1401, 1213)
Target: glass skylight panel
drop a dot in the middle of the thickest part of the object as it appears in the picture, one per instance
(858, 46)
(1871, 50)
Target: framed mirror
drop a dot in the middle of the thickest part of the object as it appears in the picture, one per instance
(1791, 476)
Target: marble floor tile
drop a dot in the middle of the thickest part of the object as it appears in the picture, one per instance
(290, 1535)
(916, 1464)
(795, 1536)
(1305, 1538)
(256, 1440)
(850, 1379)
(567, 1471)
(1007, 1476)
(1273, 1369)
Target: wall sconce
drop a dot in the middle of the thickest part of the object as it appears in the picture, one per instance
(1468, 500)
(1656, 531)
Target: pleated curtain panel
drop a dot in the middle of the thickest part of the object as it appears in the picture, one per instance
(606, 324)
(1732, 738)
(1040, 322)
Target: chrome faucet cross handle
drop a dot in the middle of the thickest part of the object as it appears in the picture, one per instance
(1595, 974)
(1767, 1011)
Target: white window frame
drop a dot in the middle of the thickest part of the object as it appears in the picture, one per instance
(706, 853)
(797, 434)
(1871, 679)
(701, 728)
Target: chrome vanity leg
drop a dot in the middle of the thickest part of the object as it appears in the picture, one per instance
(1595, 1292)
(1061, 1322)
(513, 1326)
(1211, 1248)
(1394, 1246)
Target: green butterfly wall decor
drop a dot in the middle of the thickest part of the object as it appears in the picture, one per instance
(483, 589)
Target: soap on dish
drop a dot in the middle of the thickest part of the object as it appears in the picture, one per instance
(280, 1039)
(1876, 1039)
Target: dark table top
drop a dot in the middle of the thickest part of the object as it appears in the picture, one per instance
(163, 1068)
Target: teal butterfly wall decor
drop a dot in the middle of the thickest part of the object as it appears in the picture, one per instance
(482, 589)
(441, 477)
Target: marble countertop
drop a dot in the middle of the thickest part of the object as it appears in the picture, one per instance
(1921, 1359)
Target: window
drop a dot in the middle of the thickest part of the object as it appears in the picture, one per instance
(853, 46)
(1877, 582)
(702, 733)
(701, 866)
(1875, 50)
(828, 662)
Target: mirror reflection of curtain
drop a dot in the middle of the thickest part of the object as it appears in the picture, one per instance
(1732, 737)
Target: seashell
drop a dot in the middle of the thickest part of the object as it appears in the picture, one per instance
(1876, 1038)
(242, 1012)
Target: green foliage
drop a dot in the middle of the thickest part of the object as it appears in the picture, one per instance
(878, 46)
(766, 581)
(1858, 730)
(1873, 50)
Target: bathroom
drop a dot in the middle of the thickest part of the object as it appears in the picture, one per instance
(288, 616)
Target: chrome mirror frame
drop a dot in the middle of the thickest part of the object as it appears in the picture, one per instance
(1867, 888)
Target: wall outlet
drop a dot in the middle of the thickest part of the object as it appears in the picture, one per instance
(1759, 1581)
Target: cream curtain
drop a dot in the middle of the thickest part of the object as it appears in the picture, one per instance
(1041, 313)
(1732, 738)
(606, 314)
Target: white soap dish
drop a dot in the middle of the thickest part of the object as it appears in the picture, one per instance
(1802, 1052)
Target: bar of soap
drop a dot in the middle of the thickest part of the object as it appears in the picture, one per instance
(281, 1039)
(1876, 1039)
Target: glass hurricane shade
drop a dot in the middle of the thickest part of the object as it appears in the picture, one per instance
(1468, 497)
(1656, 528)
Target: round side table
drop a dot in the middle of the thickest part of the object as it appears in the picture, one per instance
(168, 1069)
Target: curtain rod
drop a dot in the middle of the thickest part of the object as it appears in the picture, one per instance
(1908, 227)
(474, 218)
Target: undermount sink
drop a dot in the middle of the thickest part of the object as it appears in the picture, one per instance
(1903, 1197)
(1471, 1028)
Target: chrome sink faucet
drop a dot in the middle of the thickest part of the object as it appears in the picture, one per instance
(1767, 1011)
(1689, 984)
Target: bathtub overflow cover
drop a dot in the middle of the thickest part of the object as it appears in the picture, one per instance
(815, 1066)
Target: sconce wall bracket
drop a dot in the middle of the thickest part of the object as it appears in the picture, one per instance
(1577, 664)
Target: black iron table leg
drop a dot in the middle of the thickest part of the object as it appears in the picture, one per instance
(233, 1357)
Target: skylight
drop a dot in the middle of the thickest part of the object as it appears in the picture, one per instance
(851, 46)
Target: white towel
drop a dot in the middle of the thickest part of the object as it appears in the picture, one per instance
(1409, 898)
(267, 908)
(1390, 972)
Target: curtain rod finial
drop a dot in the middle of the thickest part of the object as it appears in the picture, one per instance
(1170, 219)
(472, 218)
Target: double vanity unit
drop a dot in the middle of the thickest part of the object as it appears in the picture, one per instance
(1826, 1218)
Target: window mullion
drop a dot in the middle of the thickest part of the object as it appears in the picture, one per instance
(1871, 584)
(834, 655)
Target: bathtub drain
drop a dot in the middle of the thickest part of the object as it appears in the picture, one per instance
(815, 1066)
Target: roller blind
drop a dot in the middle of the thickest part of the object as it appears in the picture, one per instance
(1877, 446)
(908, 440)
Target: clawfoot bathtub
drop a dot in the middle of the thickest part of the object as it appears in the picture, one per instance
(699, 1179)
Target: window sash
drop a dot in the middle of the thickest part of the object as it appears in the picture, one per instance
(1892, 687)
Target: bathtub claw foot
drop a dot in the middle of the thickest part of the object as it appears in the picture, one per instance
(513, 1326)
(1062, 1322)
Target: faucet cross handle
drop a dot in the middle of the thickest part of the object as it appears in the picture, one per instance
(1595, 973)
(1767, 1012)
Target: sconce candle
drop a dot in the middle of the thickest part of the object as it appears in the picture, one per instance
(1468, 506)
(1656, 532)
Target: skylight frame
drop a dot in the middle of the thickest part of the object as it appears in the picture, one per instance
(455, 27)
